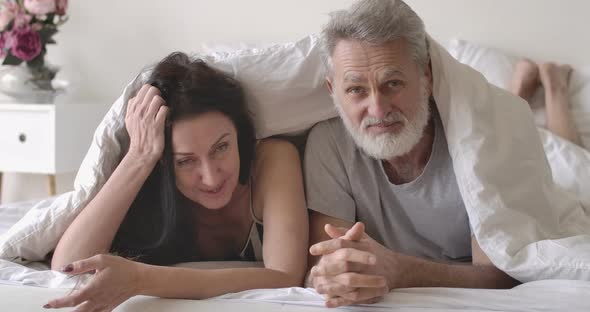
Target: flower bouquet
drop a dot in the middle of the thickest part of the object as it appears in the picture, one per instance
(26, 28)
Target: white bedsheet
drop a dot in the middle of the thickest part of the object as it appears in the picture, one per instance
(11, 213)
(27, 288)
(548, 295)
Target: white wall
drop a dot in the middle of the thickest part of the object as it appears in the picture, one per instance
(540, 29)
(105, 43)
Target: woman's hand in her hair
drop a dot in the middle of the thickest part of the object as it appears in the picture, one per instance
(145, 120)
(114, 280)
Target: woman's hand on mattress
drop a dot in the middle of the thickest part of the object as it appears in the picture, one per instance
(145, 120)
(349, 270)
(114, 280)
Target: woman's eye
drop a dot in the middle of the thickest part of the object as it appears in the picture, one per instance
(184, 162)
(221, 147)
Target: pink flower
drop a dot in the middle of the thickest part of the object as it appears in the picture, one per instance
(22, 20)
(26, 43)
(8, 11)
(61, 6)
(40, 7)
(4, 44)
(36, 27)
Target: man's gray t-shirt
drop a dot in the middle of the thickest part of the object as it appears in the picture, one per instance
(424, 218)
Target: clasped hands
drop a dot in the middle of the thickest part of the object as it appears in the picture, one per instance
(352, 269)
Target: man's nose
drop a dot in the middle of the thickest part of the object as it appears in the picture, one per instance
(379, 106)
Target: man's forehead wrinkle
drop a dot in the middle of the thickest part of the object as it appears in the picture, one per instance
(353, 77)
(358, 62)
(381, 73)
(391, 71)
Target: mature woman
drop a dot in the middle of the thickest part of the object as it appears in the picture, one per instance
(195, 185)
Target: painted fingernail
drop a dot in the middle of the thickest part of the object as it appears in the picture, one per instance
(47, 306)
(68, 268)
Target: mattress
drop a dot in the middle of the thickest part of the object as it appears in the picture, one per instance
(556, 295)
(28, 288)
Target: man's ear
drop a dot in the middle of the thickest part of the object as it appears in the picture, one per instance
(329, 85)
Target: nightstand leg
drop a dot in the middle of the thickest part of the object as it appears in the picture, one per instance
(51, 184)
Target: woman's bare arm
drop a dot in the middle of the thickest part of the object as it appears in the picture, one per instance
(93, 230)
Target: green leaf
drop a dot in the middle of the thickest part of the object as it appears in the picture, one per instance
(50, 18)
(46, 34)
(38, 61)
(11, 60)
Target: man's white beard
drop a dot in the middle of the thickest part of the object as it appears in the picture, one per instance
(389, 145)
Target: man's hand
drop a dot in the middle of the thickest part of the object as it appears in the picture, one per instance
(352, 268)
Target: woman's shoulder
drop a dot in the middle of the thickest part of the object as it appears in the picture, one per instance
(276, 163)
(273, 158)
(274, 149)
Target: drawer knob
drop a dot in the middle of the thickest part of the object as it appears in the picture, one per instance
(22, 137)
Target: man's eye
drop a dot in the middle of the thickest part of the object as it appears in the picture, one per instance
(354, 90)
(394, 83)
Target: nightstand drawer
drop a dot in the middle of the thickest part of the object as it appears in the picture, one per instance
(26, 140)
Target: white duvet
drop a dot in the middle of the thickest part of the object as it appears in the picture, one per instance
(530, 212)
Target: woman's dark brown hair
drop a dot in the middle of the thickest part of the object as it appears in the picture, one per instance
(158, 227)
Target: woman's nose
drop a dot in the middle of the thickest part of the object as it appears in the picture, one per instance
(210, 175)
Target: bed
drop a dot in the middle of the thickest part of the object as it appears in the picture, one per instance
(26, 287)
(536, 296)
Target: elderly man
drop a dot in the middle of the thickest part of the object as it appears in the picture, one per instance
(385, 163)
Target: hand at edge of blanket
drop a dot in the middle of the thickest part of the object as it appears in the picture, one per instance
(114, 281)
(352, 269)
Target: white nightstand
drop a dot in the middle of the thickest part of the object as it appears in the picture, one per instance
(46, 138)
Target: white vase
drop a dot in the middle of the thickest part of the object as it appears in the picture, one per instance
(17, 82)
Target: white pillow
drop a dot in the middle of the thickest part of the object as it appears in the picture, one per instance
(284, 86)
(498, 66)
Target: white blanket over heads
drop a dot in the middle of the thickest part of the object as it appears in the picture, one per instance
(530, 227)
(531, 224)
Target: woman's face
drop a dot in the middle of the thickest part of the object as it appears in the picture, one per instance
(206, 158)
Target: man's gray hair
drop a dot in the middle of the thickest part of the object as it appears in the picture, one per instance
(376, 22)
